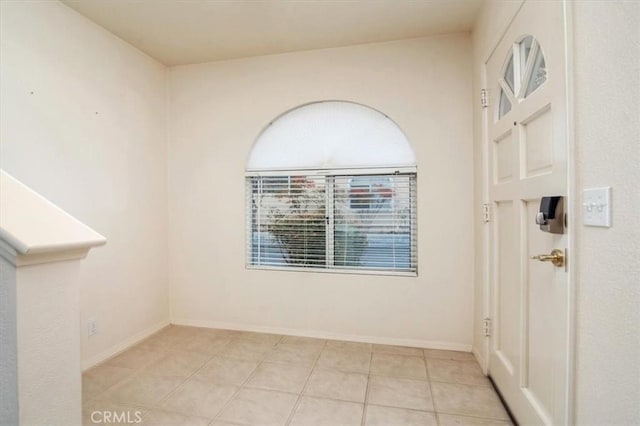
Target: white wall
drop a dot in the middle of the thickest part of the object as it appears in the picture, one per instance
(49, 364)
(216, 112)
(8, 344)
(606, 89)
(607, 124)
(83, 123)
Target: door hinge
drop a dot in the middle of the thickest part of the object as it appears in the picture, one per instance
(486, 213)
(486, 323)
(484, 98)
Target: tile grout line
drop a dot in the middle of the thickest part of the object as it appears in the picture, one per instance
(433, 400)
(140, 372)
(197, 370)
(436, 411)
(157, 406)
(168, 349)
(366, 391)
(242, 385)
(306, 383)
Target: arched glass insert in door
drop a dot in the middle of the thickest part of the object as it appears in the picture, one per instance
(524, 71)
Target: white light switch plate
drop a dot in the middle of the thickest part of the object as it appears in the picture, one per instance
(596, 206)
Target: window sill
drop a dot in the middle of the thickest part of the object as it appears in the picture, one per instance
(334, 271)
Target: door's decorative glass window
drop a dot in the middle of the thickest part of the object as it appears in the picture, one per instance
(334, 189)
(505, 104)
(524, 71)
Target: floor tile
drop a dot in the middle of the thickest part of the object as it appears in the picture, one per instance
(178, 364)
(279, 377)
(246, 378)
(451, 371)
(271, 339)
(220, 333)
(345, 360)
(100, 378)
(399, 350)
(324, 412)
(259, 407)
(109, 413)
(402, 393)
(247, 350)
(156, 342)
(398, 366)
(353, 346)
(165, 418)
(142, 390)
(441, 354)
(226, 370)
(183, 329)
(337, 385)
(478, 401)
(135, 358)
(300, 340)
(199, 398)
(170, 338)
(206, 344)
(388, 416)
(451, 420)
(294, 354)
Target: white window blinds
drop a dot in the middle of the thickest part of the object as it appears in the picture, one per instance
(354, 222)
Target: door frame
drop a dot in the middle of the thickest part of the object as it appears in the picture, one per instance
(572, 205)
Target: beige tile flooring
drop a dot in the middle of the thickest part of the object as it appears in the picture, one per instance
(199, 376)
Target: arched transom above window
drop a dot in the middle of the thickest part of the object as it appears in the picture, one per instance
(331, 187)
(524, 71)
(331, 135)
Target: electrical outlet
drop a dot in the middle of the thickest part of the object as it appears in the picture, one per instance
(92, 327)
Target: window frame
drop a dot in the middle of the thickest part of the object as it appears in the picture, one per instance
(330, 175)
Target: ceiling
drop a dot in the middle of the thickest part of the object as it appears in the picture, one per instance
(177, 32)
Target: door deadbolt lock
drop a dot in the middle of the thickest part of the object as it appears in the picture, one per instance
(556, 257)
(551, 215)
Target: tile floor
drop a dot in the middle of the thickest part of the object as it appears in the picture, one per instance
(198, 376)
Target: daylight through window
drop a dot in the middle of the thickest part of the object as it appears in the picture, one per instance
(357, 222)
(358, 216)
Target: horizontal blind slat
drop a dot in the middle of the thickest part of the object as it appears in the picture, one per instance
(373, 222)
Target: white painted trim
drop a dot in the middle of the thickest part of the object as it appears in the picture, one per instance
(328, 270)
(480, 359)
(486, 226)
(122, 346)
(8, 252)
(416, 343)
(16, 259)
(573, 208)
(52, 256)
(55, 236)
(389, 170)
(483, 354)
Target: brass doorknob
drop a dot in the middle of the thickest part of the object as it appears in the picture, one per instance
(556, 257)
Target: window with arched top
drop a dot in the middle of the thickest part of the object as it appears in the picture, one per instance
(523, 72)
(331, 186)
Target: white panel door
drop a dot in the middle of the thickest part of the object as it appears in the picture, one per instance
(527, 137)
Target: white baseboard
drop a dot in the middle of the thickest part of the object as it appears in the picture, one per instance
(416, 343)
(122, 346)
(480, 359)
